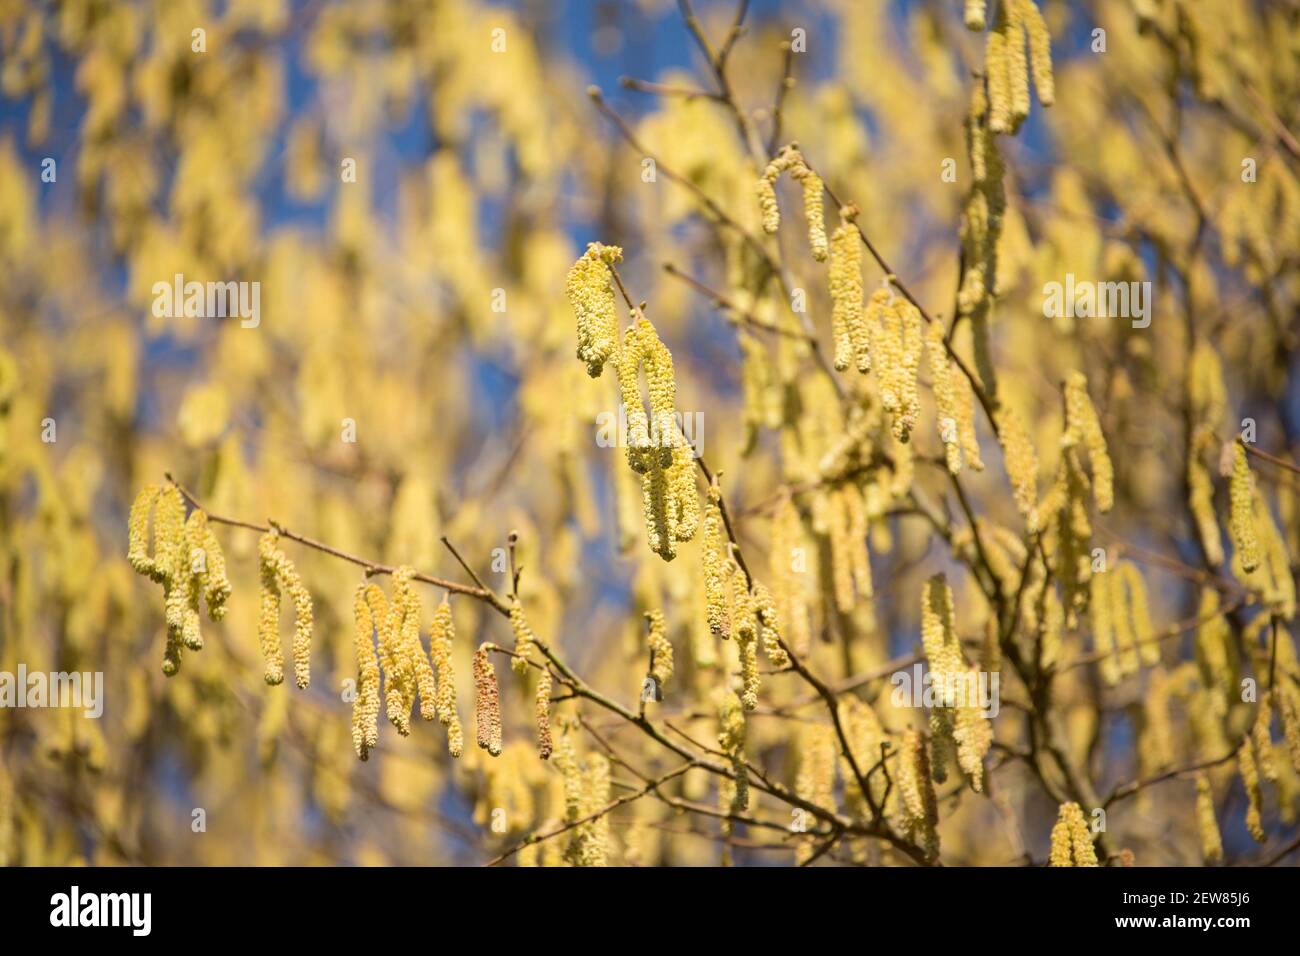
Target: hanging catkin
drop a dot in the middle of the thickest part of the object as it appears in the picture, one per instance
(592, 297)
(847, 325)
(1241, 524)
(268, 622)
(787, 557)
(487, 702)
(945, 396)
(661, 650)
(524, 639)
(365, 706)
(1207, 821)
(542, 711)
(744, 619)
(974, 14)
(1021, 464)
(1084, 428)
(441, 636)
(1249, 770)
(731, 741)
(920, 803)
(770, 626)
(715, 580)
(813, 206)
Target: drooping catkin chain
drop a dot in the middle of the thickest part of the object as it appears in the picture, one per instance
(731, 741)
(1071, 840)
(916, 788)
(1207, 821)
(487, 702)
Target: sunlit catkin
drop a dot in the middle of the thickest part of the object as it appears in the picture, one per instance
(487, 702)
(661, 650)
(1083, 427)
(813, 209)
(731, 741)
(711, 549)
(268, 621)
(847, 325)
(442, 633)
(1207, 822)
(974, 15)
(1200, 494)
(916, 786)
(542, 713)
(1071, 839)
(1241, 524)
(1250, 782)
(524, 639)
(770, 626)
(592, 297)
(1022, 465)
(365, 706)
(1040, 52)
(744, 619)
(945, 397)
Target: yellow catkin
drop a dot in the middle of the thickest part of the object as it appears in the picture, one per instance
(1011, 20)
(1071, 840)
(1262, 738)
(524, 638)
(592, 298)
(996, 68)
(1125, 637)
(683, 499)
(595, 798)
(1279, 590)
(744, 618)
(766, 190)
(397, 678)
(1040, 52)
(1250, 782)
(1148, 647)
(813, 206)
(908, 399)
(138, 535)
(487, 702)
(365, 706)
(964, 396)
(542, 709)
(661, 650)
(945, 396)
(217, 588)
(1083, 427)
(1207, 822)
(847, 324)
(279, 575)
(1200, 489)
(1022, 465)
(974, 15)
(268, 622)
(872, 330)
(916, 786)
(888, 355)
(770, 625)
(442, 633)
(841, 550)
(412, 613)
(1289, 712)
(815, 778)
(1245, 538)
(1101, 611)
(731, 741)
(711, 549)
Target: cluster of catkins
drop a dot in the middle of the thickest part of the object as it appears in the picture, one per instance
(1007, 69)
(1071, 839)
(1121, 622)
(186, 560)
(656, 448)
(883, 332)
(279, 576)
(387, 643)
